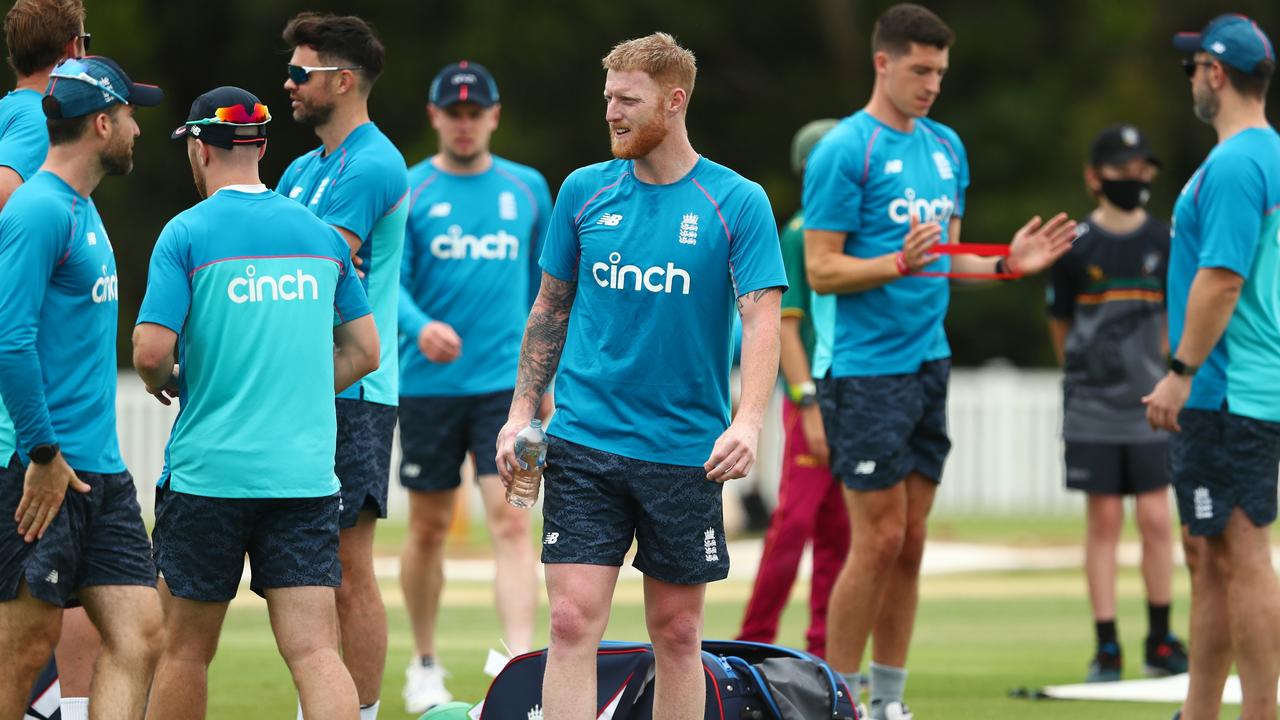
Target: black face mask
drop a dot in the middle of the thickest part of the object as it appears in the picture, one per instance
(1127, 194)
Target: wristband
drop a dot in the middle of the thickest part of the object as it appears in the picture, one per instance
(900, 262)
(804, 394)
(1177, 367)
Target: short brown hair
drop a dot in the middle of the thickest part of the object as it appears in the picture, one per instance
(36, 31)
(906, 23)
(345, 38)
(1251, 85)
(659, 56)
(63, 131)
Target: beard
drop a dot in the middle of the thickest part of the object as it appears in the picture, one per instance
(640, 141)
(1205, 103)
(117, 156)
(313, 114)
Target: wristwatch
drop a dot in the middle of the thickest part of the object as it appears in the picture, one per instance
(1177, 367)
(804, 394)
(43, 454)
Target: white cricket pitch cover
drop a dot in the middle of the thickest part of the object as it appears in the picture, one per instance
(1171, 689)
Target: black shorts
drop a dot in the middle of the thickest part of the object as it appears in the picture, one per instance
(1222, 461)
(1117, 469)
(597, 502)
(97, 538)
(436, 433)
(201, 543)
(882, 427)
(366, 431)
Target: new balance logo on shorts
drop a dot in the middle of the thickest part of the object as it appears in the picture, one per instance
(864, 467)
(1202, 503)
(52, 577)
(709, 545)
(551, 538)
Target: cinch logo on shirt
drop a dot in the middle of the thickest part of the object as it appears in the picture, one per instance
(936, 210)
(251, 289)
(105, 288)
(456, 246)
(614, 277)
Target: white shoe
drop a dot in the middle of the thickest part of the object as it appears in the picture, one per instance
(424, 687)
(897, 711)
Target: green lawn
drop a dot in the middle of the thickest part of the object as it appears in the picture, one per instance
(979, 635)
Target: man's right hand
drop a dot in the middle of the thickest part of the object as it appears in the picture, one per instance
(43, 490)
(815, 434)
(506, 458)
(919, 240)
(439, 343)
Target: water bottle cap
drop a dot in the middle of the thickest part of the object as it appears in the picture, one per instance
(535, 423)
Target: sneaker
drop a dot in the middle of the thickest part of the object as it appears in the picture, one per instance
(895, 710)
(424, 687)
(863, 713)
(1106, 664)
(1167, 657)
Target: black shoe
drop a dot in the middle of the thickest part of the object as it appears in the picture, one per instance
(1165, 657)
(1106, 664)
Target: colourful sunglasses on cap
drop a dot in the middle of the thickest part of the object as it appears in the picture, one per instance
(236, 115)
(73, 69)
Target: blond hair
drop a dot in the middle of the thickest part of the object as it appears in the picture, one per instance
(659, 56)
(37, 31)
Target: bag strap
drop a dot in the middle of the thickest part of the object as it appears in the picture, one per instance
(762, 686)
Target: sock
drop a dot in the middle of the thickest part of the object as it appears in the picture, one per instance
(1106, 631)
(75, 708)
(426, 660)
(1157, 623)
(854, 681)
(887, 684)
(369, 712)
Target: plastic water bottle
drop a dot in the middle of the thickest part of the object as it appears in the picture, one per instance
(531, 458)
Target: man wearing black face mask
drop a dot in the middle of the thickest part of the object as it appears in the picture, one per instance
(1107, 320)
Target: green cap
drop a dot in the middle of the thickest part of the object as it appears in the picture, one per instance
(806, 137)
(448, 711)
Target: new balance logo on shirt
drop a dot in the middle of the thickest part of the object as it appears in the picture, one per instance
(609, 220)
(656, 279)
(254, 289)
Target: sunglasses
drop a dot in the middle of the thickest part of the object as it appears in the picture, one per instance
(1189, 66)
(236, 115)
(75, 70)
(87, 39)
(300, 74)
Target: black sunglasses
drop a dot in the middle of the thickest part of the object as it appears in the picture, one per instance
(1189, 66)
(87, 39)
(300, 74)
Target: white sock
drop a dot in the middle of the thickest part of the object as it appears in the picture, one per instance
(369, 712)
(75, 708)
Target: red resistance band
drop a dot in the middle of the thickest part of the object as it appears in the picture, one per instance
(980, 249)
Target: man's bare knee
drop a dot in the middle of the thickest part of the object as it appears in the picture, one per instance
(678, 633)
(882, 545)
(911, 552)
(429, 521)
(509, 526)
(574, 625)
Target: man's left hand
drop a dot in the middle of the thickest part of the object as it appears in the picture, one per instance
(734, 453)
(1038, 245)
(1166, 401)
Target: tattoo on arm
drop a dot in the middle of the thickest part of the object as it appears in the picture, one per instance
(544, 337)
(754, 296)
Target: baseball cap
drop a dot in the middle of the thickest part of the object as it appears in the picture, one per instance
(79, 86)
(1234, 39)
(226, 117)
(463, 82)
(1118, 144)
(805, 138)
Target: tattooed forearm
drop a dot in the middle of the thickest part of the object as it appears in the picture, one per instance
(755, 296)
(544, 336)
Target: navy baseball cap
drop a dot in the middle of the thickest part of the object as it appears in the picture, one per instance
(1234, 39)
(1118, 144)
(79, 86)
(463, 82)
(226, 117)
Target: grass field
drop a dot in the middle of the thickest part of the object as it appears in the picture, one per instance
(979, 635)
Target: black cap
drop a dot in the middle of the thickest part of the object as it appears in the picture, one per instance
(1119, 144)
(226, 117)
(463, 82)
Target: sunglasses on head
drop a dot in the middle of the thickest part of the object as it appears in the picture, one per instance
(76, 70)
(300, 74)
(236, 115)
(87, 39)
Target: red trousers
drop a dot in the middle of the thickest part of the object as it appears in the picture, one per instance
(810, 507)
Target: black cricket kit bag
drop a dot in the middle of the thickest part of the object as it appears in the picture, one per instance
(745, 681)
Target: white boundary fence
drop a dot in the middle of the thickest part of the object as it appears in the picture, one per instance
(1006, 458)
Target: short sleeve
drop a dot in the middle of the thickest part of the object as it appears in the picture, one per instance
(542, 201)
(795, 301)
(361, 196)
(833, 186)
(1062, 289)
(560, 248)
(350, 301)
(962, 173)
(24, 145)
(755, 257)
(1231, 201)
(168, 297)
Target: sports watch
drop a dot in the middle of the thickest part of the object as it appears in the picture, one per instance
(1177, 367)
(43, 454)
(804, 394)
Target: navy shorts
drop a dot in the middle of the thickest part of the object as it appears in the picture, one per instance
(366, 431)
(1221, 461)
(1117, 469)
(201, 543)
(436, 433)
(95, 539)
(882, 427)
(597, 502)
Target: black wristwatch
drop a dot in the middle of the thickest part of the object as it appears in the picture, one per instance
(1177, 367)
(44, 454)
